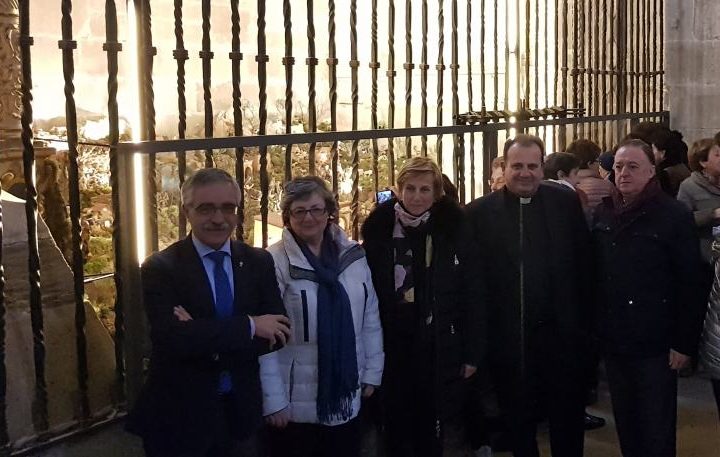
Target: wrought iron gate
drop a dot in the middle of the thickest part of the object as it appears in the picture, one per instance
(570, 69)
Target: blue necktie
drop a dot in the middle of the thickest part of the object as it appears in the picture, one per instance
(223, 304)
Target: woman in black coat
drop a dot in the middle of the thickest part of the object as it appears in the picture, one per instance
(419, 254)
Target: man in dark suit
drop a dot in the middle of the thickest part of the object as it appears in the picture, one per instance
(214, 307)
(531, 240)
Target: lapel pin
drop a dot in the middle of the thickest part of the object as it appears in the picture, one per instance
(240, 264)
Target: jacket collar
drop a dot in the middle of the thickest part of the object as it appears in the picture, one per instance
(300, 268)
(700, 179)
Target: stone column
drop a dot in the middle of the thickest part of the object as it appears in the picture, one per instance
(11, 168)
(692, 61)
(10, 77)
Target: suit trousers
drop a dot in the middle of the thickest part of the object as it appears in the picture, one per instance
(644, 398)
(222, 445)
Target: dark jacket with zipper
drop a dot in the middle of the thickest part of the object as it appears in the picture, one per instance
(652, 297)
(564, 268)
(457, 328)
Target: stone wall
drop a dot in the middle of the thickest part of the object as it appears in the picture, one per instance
(692, 62)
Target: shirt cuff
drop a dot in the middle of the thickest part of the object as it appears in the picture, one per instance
(252, 327)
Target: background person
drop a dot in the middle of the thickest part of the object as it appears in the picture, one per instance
(335, 353)
(418, 250)
(710, 342)
(590, 180)
(701, 192)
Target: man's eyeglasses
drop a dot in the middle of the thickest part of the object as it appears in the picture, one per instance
(208, 209)
(299, 213)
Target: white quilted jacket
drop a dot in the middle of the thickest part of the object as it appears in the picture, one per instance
(289, 376)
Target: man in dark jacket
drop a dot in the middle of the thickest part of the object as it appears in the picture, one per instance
(214, 306)
(532, 239)
(652, 301)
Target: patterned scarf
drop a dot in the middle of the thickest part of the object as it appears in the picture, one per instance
(404, 281)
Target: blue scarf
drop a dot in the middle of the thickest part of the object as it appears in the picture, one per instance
(337, 359)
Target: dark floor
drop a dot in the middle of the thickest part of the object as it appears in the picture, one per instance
(698, 431)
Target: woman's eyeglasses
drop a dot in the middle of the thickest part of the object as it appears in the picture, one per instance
(299, 213)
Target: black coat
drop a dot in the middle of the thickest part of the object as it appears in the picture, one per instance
(457, 306)
(179, 406)
(569, 270)
(651, 280)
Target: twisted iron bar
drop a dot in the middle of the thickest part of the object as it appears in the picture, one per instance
(589, 67)
(354, 64)
(391, 89)
(288, 61)
(374, 66)
(507, 58)
(638, 55)
(206, 55)
(458, 155)
(576, 64)
(604, 71)
(424, 78)
(440, 67)
(408, 66)
(311, 63)
(483, 106)
(528, 31)
(537, 56)
(236, 57)
(262, 60)
(147, 54)
(68, 45)
(468, 34)
(646, 55)
(583, 67)
(562, 135)
(631, 59)
(496, 70)
(40, 401)
(332, 62)
(180, 54)
(654, 46)
(112, 46)
(661, 54)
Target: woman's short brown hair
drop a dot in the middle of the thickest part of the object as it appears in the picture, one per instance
(699, 153)
(585, 150)
(417, 166)
(302, 188)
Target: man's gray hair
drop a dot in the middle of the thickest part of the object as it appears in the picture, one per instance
(205, 177)
(302, 188)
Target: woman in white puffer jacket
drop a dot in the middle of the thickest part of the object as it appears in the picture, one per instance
(710, 344)
(312, 388)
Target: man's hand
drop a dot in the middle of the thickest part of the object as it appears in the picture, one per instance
(467, 370)
(367, 390)
(279, 419)
(181, 314)
(272, 327)
(678, 361)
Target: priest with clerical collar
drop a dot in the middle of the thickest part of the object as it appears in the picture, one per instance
(534, 244)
